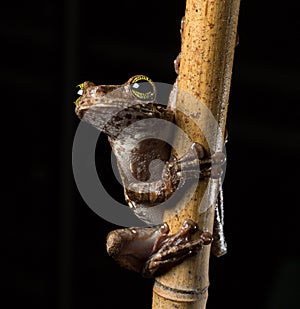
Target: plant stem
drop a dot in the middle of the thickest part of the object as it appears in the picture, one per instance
(208, 43)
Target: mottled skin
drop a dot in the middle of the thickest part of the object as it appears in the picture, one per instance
(112, 109)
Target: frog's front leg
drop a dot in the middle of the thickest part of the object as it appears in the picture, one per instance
(151, 251)
(191, 166)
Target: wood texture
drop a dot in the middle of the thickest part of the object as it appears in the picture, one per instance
(208, 43)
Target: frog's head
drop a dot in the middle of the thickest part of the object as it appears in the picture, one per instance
(110, 108)
(90, 95)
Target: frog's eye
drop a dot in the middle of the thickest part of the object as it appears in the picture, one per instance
(79, 92)
(142, 87)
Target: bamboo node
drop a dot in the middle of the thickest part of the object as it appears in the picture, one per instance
(179, 295)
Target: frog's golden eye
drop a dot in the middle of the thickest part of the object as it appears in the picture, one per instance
(142, 87)
(79, 92)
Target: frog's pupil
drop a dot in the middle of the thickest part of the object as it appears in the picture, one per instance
(145, 87)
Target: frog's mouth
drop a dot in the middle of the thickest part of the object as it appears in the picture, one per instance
(80, 110)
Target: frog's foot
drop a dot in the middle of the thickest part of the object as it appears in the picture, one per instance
(173, 249)
(194, 164)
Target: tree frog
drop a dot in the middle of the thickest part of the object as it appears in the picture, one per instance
(112, 109)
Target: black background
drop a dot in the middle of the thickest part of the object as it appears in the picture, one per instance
(55, 244)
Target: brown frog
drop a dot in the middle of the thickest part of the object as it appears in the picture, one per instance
(115, 108)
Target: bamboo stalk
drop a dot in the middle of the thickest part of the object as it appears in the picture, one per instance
(208, 42)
